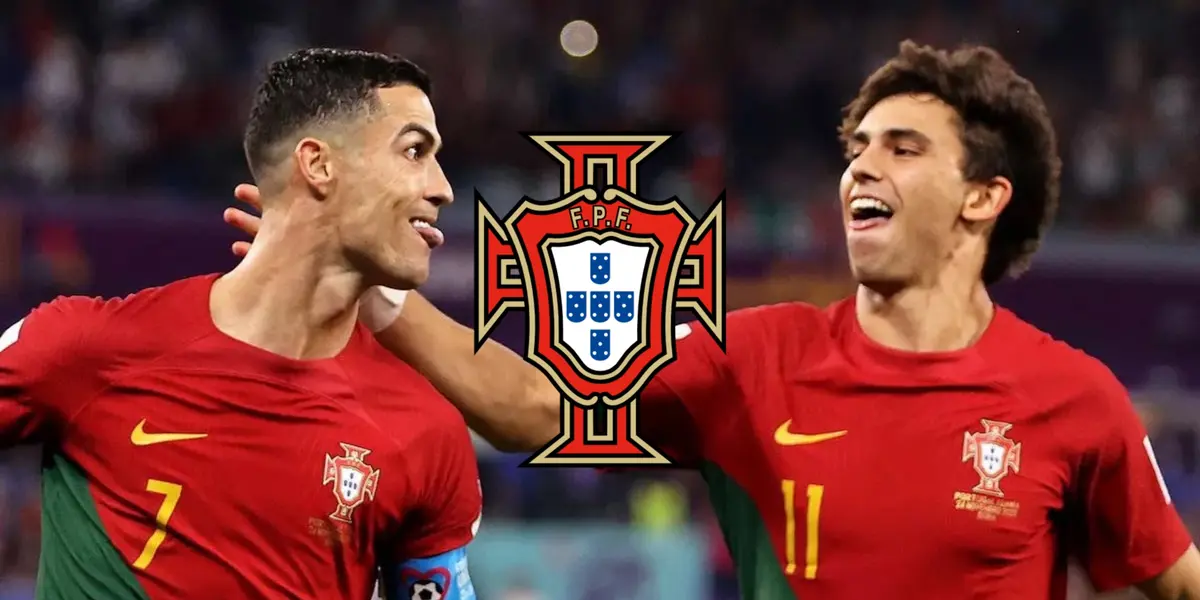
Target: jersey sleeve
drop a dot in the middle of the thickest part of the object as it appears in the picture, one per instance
(1129, 530)
(44, 362)
(697, 390)
(447, 500)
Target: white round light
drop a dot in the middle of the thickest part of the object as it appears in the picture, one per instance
(579, 38)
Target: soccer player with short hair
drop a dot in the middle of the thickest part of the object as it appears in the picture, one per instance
(244, 436)
(913, 440)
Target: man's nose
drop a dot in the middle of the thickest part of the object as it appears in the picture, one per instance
(439, 191)
(865, 167)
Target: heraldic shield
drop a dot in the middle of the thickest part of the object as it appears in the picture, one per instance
(600, 273)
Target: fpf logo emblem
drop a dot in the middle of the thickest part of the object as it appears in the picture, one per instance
(993, 454)
(600, 272)
(354, 481)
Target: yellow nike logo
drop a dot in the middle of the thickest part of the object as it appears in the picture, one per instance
(139, 437)
(783, 437)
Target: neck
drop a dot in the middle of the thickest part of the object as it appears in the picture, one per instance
(949, 314)
(293, 295)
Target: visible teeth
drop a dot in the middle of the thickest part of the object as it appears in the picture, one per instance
(420, 224)
(861, 204)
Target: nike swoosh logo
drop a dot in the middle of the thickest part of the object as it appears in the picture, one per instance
(783, 437)
(139, 437)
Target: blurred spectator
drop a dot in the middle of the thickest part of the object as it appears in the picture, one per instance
(142, 97)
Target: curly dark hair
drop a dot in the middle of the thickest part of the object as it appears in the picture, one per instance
(319, 85)
(1006, 131)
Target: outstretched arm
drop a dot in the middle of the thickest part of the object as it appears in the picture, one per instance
(504, 399)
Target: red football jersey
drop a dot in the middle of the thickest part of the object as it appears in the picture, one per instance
(182, 463)
(842, 469)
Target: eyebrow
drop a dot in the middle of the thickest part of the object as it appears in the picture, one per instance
(893, 134)
(430, 138)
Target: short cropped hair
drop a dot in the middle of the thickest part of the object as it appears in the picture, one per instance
(317, 86)
(1005, 130)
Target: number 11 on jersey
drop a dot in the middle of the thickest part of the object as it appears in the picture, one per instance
(812, 520)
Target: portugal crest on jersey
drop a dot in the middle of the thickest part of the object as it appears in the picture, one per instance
(600, 272)
(993, 453)
(354, 480)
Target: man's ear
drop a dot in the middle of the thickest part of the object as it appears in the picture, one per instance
(986, 200)
(314, 162)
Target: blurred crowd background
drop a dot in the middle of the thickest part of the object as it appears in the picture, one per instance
(120, 125)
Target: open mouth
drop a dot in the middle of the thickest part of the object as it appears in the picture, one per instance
(431, 234)
(866, 212)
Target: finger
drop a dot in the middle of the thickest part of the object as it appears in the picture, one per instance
(242, 220)
(241, 249)
(249, 194)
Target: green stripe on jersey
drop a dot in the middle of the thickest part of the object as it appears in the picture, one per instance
(78, 561)
(760, 576)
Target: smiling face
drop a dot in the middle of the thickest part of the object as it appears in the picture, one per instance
(391, 187)
(903, 192)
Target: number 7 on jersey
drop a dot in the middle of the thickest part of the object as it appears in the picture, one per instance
(812, 520)
(171, 493)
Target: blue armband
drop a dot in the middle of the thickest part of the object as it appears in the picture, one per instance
(441, 577)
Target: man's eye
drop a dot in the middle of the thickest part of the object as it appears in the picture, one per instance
(413, 153)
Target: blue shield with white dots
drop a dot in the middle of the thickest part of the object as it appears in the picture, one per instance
(601, 267)
(601, 306)
(600, 285)
(577, 307)
(623, 310)
(601, 344)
